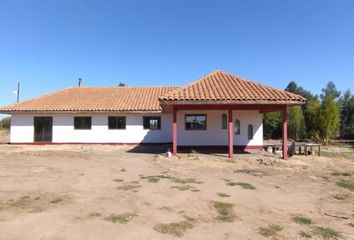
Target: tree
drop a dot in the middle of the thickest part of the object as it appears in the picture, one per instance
(5, 123)
(307, 126)
(330, 90)
(121, 84)
(311, 118)
(347, 115)
(272, 125)
(296, 123)
(328, 119)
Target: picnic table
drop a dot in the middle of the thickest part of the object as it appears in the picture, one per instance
(305, 146)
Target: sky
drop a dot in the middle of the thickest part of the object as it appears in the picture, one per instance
(47, 45)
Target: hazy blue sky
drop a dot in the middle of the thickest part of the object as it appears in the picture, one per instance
(48, 45)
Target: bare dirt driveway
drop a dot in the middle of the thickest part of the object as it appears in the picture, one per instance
(113, 192)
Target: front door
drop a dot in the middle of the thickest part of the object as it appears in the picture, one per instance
(43, 128)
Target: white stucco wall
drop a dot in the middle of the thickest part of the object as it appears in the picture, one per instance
(22, 130)
(215, 135)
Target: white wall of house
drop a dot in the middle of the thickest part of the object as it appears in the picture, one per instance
(22, 130)
(215, 135)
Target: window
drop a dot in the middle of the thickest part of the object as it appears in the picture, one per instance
(152, 123)
(116, 122)
(237, 127)
(196, 122)
(250, 131)
(224, 121)
(82, 122)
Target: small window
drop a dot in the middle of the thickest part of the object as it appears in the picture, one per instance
(250, 132)
(224, 121)
(82, 122)
(152, 123)
(116, 122)
(196, 122)
(237, 127)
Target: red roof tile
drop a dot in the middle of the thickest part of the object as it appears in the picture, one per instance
(215, 87)
(221, 86)
(94, 99)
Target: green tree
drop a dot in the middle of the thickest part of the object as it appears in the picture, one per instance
(272, 125)
(311, 118)
(347, 115)
(5, 123)
(296, 123)
(304, 132)
(330, 90)
(328, 119)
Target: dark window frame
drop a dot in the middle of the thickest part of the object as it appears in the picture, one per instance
(238, 132)
(77, 121)
(195, 115)
(145, 118)
(250, 130)
(117, 117)
(224, 121)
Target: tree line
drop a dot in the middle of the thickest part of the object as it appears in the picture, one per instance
(322, 118)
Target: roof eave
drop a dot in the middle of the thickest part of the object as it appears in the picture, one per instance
(232, 102)
(75, 111)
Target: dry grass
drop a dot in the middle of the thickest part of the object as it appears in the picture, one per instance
(302, 220)
(175, 229)
(241, 184)
(223, 195)
(123, 218)
(225, 211)
(327, 233)
(270, 231)
(344, 183)
(306, 235)
(186, 187)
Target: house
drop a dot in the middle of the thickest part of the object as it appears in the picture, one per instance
(219, 109)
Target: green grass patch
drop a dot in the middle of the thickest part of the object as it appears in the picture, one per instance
(343, 173)
(241, 184)
(155, 178)
(344, 183)
(327, 233)
(302, 220)
(270, 231)
(186, 187)
(225, 211)
(175, 229)
(306, 235)
(220, 194)
(186, 180)
(123, 218)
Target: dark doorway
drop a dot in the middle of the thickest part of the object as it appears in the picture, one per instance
(43, 128)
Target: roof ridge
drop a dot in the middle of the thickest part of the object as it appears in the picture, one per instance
(255, 82)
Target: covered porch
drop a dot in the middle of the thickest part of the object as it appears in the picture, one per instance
(227, 114)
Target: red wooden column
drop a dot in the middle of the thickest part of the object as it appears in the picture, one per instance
(174, 132)
(231, 135)
(284, 133)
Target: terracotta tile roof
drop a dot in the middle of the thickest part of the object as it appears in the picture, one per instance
(94, 99)
(215, 87)
(222, 86)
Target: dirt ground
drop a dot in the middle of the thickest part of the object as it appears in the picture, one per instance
(114, 192)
